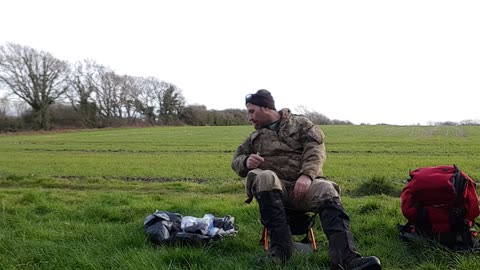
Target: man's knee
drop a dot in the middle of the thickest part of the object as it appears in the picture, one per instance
(264, 180)
(323, 190)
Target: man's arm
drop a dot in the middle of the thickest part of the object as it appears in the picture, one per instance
(313, 157)
(314, 154)
(239, 162)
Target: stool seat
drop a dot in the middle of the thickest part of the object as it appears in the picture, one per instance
(300, 223)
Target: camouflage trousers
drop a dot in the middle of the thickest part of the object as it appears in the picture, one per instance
(320, 190)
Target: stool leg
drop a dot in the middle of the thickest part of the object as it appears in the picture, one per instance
(314, 243)
(265, 239)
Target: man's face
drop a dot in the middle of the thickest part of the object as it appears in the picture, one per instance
(258, 116)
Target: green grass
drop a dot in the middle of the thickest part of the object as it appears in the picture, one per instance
(77, 200)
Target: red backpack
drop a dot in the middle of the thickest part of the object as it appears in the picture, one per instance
(441, 204)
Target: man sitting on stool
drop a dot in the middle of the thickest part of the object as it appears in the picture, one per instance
(282, 161)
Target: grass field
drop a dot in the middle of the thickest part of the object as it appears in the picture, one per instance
(77, 199)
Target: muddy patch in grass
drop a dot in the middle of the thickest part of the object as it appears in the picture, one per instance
(135, 178)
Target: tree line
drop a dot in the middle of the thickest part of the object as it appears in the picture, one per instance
(87, 94)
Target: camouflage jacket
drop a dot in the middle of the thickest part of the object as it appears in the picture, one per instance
(295, 148)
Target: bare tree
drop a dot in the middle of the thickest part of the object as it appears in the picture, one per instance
(97, 91)
(4, 107)
(81, 92)
(157, 100)
(315, 117)
(145, 95)
(20, 107)
(107, 94)
(36, 77)
(128, 85)
(470, 122)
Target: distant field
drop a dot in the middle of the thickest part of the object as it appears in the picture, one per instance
(77, 199)
(354, 152)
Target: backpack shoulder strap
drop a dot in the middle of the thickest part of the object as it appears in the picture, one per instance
(459, 182)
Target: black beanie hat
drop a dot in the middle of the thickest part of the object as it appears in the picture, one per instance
(261, 98)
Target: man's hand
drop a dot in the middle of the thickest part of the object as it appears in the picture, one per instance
(301, 187)
(253, 161)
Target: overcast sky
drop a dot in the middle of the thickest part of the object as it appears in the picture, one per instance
(396, 62)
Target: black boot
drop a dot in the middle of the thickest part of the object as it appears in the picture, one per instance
(335, 224)
(273, 218)
(343, 254)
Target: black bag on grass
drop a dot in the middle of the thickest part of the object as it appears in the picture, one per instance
(164, 227)
(161, 227)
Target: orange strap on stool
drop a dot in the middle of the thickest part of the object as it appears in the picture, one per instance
(265, 239)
